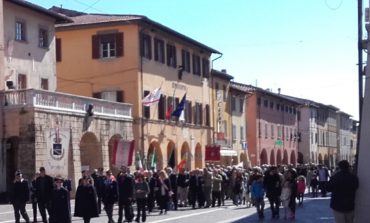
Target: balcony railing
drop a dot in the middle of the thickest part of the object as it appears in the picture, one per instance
(64, 103)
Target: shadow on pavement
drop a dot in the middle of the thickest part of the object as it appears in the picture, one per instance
(313, 210)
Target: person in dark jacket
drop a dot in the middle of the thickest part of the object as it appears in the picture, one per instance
(33, 197)
(110, 194)
(272, 183)
(44, 190)
(126, 192)
(164, 191)
(173, 179)
(343, 186)
(182, 187)
(86, 205)
(60, 210)
(141, 193)
(19, 195)
(154, 187)
(99, 186)
(196, 189)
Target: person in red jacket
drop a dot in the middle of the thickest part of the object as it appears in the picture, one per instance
(301, 187)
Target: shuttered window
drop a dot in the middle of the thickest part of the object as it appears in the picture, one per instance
(146, 110)
(107, 45)
(58, 49)
(196, 65)
(208, 119)
(171, 56)
(186, 60)
(159, 50)
(205, 68)
(162, 108)
(146, 46)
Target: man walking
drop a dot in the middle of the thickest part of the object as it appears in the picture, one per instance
(19, 195)
(44, 190)
(126, 192)
(343, 186)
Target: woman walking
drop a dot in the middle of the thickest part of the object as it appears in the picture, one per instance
(164, 191)
(86, 205)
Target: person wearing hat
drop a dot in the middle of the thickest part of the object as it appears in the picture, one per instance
(44, 190)
(60, 211)
(19, 195)
(343, 186)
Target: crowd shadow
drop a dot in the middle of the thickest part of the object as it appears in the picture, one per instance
(312, 210)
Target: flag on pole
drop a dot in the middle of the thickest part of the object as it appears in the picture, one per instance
(168, 112)
(183, 161)
(180, 107)
(138, 163)
(153, 161)
(152, 98)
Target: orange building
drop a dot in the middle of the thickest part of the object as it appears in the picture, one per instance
(124, 57)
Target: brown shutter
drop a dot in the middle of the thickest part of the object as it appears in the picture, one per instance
(97, 95)
(146, 110)
(162, 108)
(95, 47)
(119, 42)
(120, 96)
(58, 49)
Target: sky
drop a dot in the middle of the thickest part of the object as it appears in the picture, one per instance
(307, 48)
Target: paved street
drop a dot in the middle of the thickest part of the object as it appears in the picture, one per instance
(313, 210)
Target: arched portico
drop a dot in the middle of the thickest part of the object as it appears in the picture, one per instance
(198, 156)
(155, 158)
(90, 152)
(186, 155)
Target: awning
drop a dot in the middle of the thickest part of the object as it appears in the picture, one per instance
(228, 152)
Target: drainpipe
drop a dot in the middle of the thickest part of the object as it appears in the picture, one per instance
(213, 98)
(142, 149)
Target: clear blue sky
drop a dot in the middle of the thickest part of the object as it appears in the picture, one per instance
(308, 48)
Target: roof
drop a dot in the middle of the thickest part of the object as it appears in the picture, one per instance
(81, 19)
(221, 74)
(59, 18)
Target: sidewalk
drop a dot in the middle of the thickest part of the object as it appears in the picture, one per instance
(313, 210)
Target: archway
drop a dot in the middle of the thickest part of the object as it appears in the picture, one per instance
(90, 152)
(278, 157)
(300, 158)
(155, 158)
(198, 156)
(171, 154)
(12, 155)
(320, 159)
(263, 157)
(285, 158)
(272, 157)
(293, 160)
(186, 155)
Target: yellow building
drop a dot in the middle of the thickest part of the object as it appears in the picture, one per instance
(125, 57)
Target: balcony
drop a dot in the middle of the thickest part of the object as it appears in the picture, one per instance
(64, 103)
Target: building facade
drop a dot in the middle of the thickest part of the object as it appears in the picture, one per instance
(41, 127)
(125, 58)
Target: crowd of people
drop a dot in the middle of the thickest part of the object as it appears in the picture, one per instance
(169, 189)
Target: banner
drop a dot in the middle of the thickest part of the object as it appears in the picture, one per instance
(57, 146)
(213, 153)
(152, 98)
(123, 151)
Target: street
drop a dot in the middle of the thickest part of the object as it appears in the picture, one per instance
(313, 210)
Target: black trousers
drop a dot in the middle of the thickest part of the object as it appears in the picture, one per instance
(129, 215)
(274, 205)
(109, 210)
(20, 207)
(43, 207)
(34, 209)
(216, 195)
(141, 209)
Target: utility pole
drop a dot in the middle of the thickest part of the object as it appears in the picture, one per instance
(362, 206)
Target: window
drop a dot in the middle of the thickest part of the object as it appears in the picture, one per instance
(159, 50)
(208, 118)
(116, 96)
(241, 133)
(271, 104)
(107, 45)
(265, 103)
(22, 81)
(241, 105)
(233, 133)
(205, 67)
(171, 56)
(279, 132)
(146, 110)
(186, 60)
(196, 65)
(44, 84)
(233, 103)
(258, 101)
(188, 112)
(162, 107)
(278, 107)
(43, 38)
(20, 31)
(217, 86)
(58, 49)
(198, 119)
(272, 131)
(146, 46)
(266, 131)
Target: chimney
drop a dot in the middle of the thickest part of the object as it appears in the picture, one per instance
(224, 71)
(279, 90)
